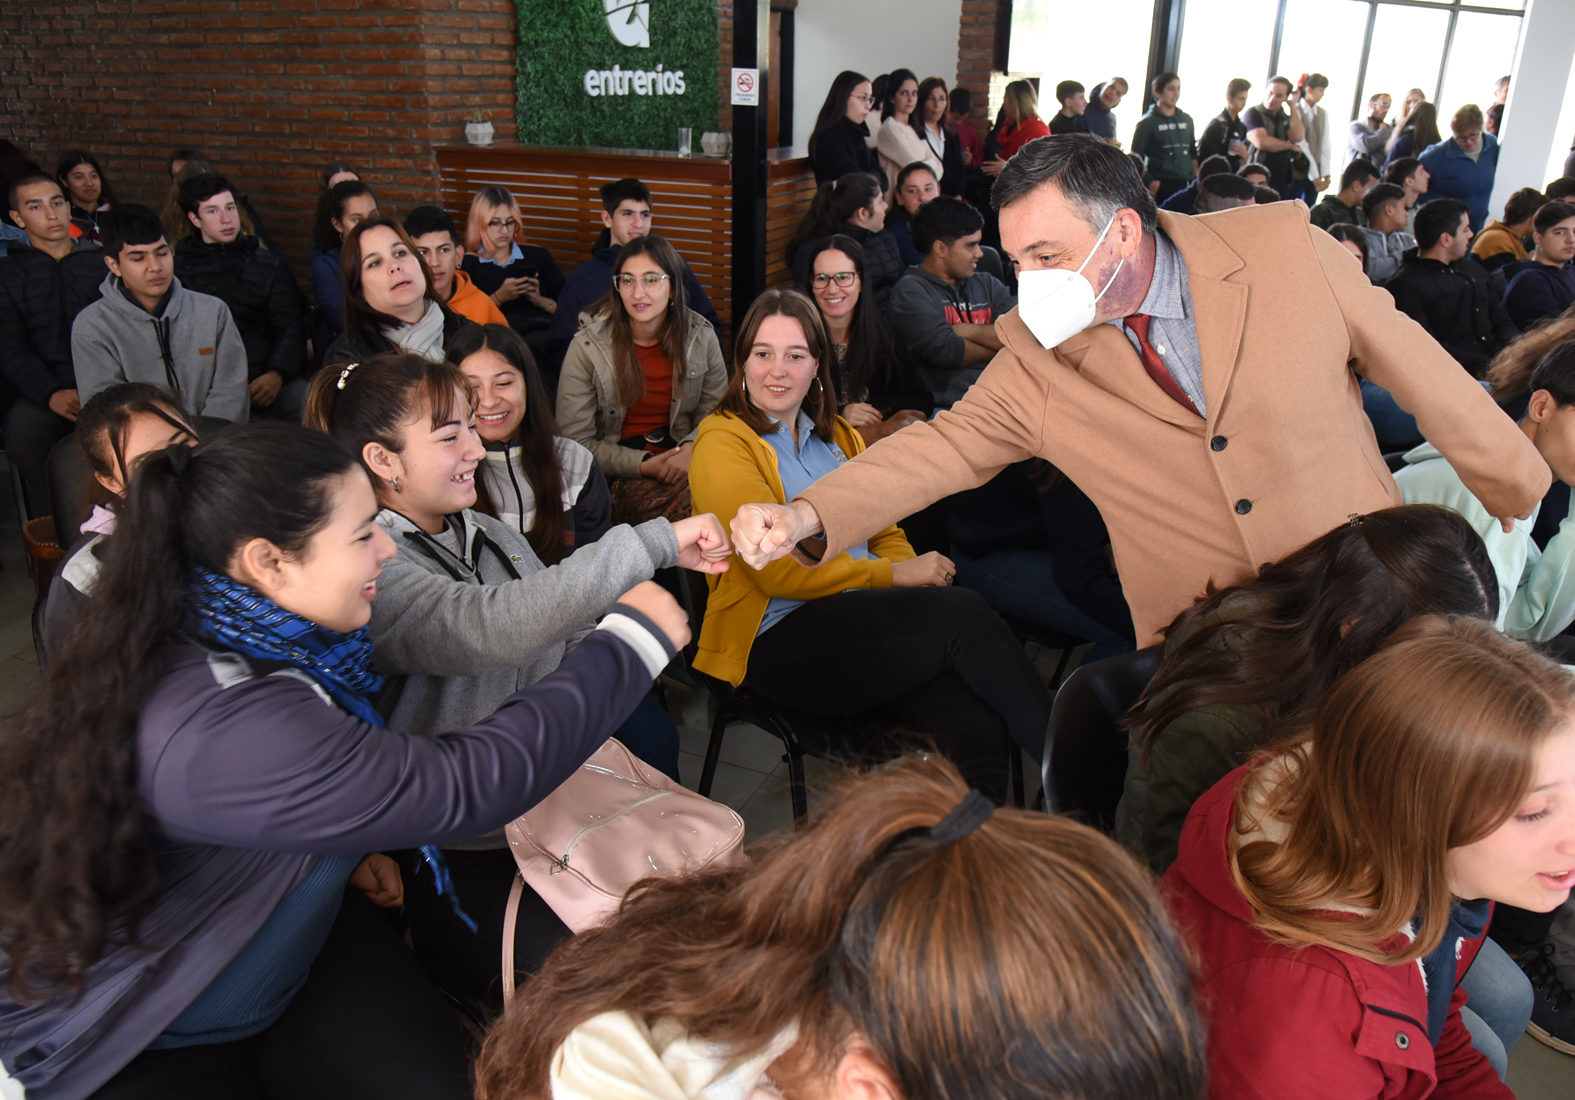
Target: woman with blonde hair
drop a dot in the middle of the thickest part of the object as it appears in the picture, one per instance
(1018, 124)
(1337, 888)
(908, 944)
(523, 279)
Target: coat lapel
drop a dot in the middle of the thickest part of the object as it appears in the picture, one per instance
(1219, 307)
(1103, 355)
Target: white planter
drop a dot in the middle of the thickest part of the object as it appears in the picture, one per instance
(478, 133)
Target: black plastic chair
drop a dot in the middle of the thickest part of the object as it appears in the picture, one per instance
(1085, 761)
(990, 261)
(801, 735)
(1395, 460)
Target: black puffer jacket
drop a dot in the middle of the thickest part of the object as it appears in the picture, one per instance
(1456, 304)
(257, 286)
(883, 262)
(357, 345)
(39, 298)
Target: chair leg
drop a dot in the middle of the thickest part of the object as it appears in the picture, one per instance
(713, 749)
(795, 763)
(1060, 669)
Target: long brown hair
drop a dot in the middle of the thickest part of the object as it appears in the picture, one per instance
(358, 313)
(1511, 373)
(822, 402)
(676, 322)
(1032, 949)
(1428, 745)
(1278, 642)
(373, 401)
(537, 436)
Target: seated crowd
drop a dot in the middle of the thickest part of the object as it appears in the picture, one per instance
(361, 570)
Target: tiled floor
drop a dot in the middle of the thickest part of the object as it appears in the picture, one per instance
(751, 776)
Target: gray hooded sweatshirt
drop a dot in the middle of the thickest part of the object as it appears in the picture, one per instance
(191, 347)
(453, 620)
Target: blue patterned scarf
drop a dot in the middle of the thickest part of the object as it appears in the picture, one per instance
(241, 619)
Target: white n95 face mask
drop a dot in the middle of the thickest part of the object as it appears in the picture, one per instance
(1057, 304)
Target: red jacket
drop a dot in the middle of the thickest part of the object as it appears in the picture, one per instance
(1307, 1023)
(1012, 138)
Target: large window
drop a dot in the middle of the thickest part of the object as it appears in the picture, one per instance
(1086, 42)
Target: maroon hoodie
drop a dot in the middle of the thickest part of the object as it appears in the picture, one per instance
(1308, 1023)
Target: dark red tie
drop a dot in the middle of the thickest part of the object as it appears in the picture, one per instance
(1138, 325)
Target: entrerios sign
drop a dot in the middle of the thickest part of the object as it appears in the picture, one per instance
(613, 72)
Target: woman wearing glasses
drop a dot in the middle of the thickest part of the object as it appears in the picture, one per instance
(840, 142)
(637, 380)
(522, 279)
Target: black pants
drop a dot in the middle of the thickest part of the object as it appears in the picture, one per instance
(468, 965)
(31, 432)
(367, 1024)
(937, 660)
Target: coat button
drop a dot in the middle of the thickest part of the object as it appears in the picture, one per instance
(1243, 507)
(1402, 1040)
(1218, 443)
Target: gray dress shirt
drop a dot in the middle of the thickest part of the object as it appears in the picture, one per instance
(1174, 329)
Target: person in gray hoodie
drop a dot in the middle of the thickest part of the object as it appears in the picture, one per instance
(202, 774)
(467, 615)
(1387, 239)
(146, 327)
(944, 310)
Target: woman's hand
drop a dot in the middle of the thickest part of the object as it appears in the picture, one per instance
(932, 570)
(890, 426)
(993, 167)
(510, 290)
(378, 878)
(669, 467)
(861, 415)
(530, 287)
(702, 544)
(657, 604)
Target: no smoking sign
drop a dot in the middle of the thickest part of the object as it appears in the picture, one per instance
(746, 87)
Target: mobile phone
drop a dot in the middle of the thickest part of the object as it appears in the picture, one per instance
(528, 273)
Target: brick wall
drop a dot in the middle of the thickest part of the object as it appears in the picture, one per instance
(270, 89)
(976, 57)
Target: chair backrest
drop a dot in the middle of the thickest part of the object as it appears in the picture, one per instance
(70, 489)
(1085, 760)
(991, 261)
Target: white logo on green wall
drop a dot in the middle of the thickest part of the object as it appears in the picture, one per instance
(621, 73)
(630, 21)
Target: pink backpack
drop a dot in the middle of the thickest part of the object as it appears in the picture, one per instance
(613, 822)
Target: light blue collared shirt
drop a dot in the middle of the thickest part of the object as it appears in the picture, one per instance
(800, 467)
(1174, 328)
(514, 257)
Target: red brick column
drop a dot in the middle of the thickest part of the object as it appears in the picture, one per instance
(976, 57)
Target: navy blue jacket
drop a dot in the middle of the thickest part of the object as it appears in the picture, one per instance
(1535, 291)
(1456, 176)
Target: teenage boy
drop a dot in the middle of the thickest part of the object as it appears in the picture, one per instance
(944, 310)
(256, 285)
(431, 230)
(1318, 143)
(1069, 119)
(1344, 208)
(1274, 132)
(1448, 293)
(1102, 104)
(1409, 174)
(626, 212)
(1166, 140)
(1387, 240)
(146, 327)
(1226, 134)
(1544, 286)
(46, 279)
(1501, 243)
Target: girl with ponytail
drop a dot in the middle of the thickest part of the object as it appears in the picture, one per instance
(185, 800)
(1536, 373)
(468, 614)
(909, 943)
(854, 205)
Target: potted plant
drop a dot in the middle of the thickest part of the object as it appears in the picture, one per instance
(478, 131)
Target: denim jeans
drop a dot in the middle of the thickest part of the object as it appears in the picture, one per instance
(1022, 583)
(1498, 1005)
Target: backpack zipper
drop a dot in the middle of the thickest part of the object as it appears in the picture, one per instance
(563, 864)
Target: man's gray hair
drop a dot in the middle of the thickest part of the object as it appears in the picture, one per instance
(1097, 178)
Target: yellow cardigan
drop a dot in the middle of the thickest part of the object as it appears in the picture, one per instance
(733, 466)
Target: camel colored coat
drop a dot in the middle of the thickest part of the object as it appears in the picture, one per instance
(1285, 321)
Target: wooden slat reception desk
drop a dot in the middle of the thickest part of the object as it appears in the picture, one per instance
(558, 193)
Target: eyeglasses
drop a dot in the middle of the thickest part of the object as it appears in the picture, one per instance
(864, 99)
(506, 223)
(843, 279)
(650, 280)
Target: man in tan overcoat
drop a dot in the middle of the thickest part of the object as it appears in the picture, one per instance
(1211, 409)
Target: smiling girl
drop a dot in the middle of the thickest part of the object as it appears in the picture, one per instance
(202, 774)
(87, 188)
(1337, 889)
(390, 302)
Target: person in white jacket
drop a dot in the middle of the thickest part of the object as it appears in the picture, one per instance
(1536, 585)
(898, 143)
(1319, 142)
